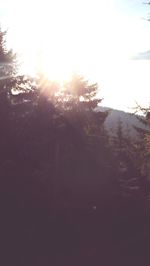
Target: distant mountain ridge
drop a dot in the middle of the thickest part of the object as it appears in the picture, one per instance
(128, 122)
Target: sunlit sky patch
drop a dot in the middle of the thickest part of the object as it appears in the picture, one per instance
(96, 38)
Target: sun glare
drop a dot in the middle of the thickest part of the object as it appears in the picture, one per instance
(61, 37)
(90, 37)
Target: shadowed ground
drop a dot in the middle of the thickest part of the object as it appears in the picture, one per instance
(74, 236)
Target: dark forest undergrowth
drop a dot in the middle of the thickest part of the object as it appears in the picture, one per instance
(74, 235)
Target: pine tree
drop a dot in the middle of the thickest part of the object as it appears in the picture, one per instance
(125, 154)
(7, 57)
(143, 150)
(80, 94)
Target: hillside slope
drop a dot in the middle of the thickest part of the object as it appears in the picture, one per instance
(128, 122)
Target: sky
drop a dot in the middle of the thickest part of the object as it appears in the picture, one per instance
(106, 41)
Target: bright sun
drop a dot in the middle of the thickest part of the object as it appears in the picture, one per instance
(90, 37)
(51, 55)
(61, 36)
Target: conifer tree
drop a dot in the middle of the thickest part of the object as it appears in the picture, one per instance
(7, 57)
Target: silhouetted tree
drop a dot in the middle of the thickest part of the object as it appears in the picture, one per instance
(143, 148)
(7, 57)
(127, 161)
